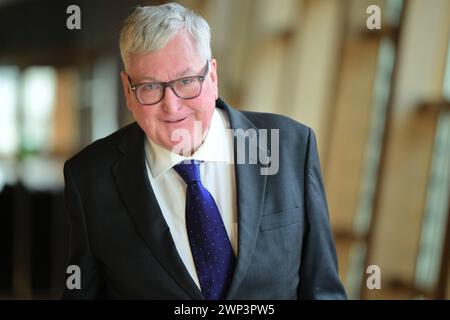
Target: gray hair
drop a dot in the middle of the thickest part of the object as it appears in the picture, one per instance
(149, 28)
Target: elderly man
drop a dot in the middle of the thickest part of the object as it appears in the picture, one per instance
(161, 209)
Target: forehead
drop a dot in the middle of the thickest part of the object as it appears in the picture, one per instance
(178, 58)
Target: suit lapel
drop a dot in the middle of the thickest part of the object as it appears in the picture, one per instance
(250, 188)
(132, 181)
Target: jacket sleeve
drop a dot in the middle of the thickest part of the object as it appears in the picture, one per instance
(80, 254)
(319, 277)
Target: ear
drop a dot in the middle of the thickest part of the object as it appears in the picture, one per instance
(213, 75)
(126, 89)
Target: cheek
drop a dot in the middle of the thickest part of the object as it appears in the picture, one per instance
(203, 110)
(204, 105)
(145, 117)
(212, 91)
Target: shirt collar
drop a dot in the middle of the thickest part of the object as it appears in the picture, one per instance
(215, 148)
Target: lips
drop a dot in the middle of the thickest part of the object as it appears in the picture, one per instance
(176, 120)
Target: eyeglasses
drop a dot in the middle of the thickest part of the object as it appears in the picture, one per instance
(150, 93)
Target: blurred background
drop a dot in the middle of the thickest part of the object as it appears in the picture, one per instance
(378, 100)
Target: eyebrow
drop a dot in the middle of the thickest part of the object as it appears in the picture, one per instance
(183, 73)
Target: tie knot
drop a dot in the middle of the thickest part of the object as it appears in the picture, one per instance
(189, 171)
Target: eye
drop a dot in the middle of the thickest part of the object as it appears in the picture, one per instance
(151, 86)
(188, 81)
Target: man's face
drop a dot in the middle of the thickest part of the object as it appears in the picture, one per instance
(179, 58)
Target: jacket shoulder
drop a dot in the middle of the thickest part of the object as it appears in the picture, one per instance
(264, 120)
(103, 150)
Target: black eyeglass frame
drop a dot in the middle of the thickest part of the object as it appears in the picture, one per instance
(170, 84)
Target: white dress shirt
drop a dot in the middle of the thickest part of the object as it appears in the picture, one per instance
(216, 173)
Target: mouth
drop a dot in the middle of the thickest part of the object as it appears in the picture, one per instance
(175, 121)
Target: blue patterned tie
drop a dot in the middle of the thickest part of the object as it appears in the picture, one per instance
(208, 238)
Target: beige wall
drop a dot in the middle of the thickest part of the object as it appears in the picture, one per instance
(408, 154)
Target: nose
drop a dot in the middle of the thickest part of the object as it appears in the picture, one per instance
(170, 103)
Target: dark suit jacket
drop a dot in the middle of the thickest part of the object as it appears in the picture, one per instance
(124, 248)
